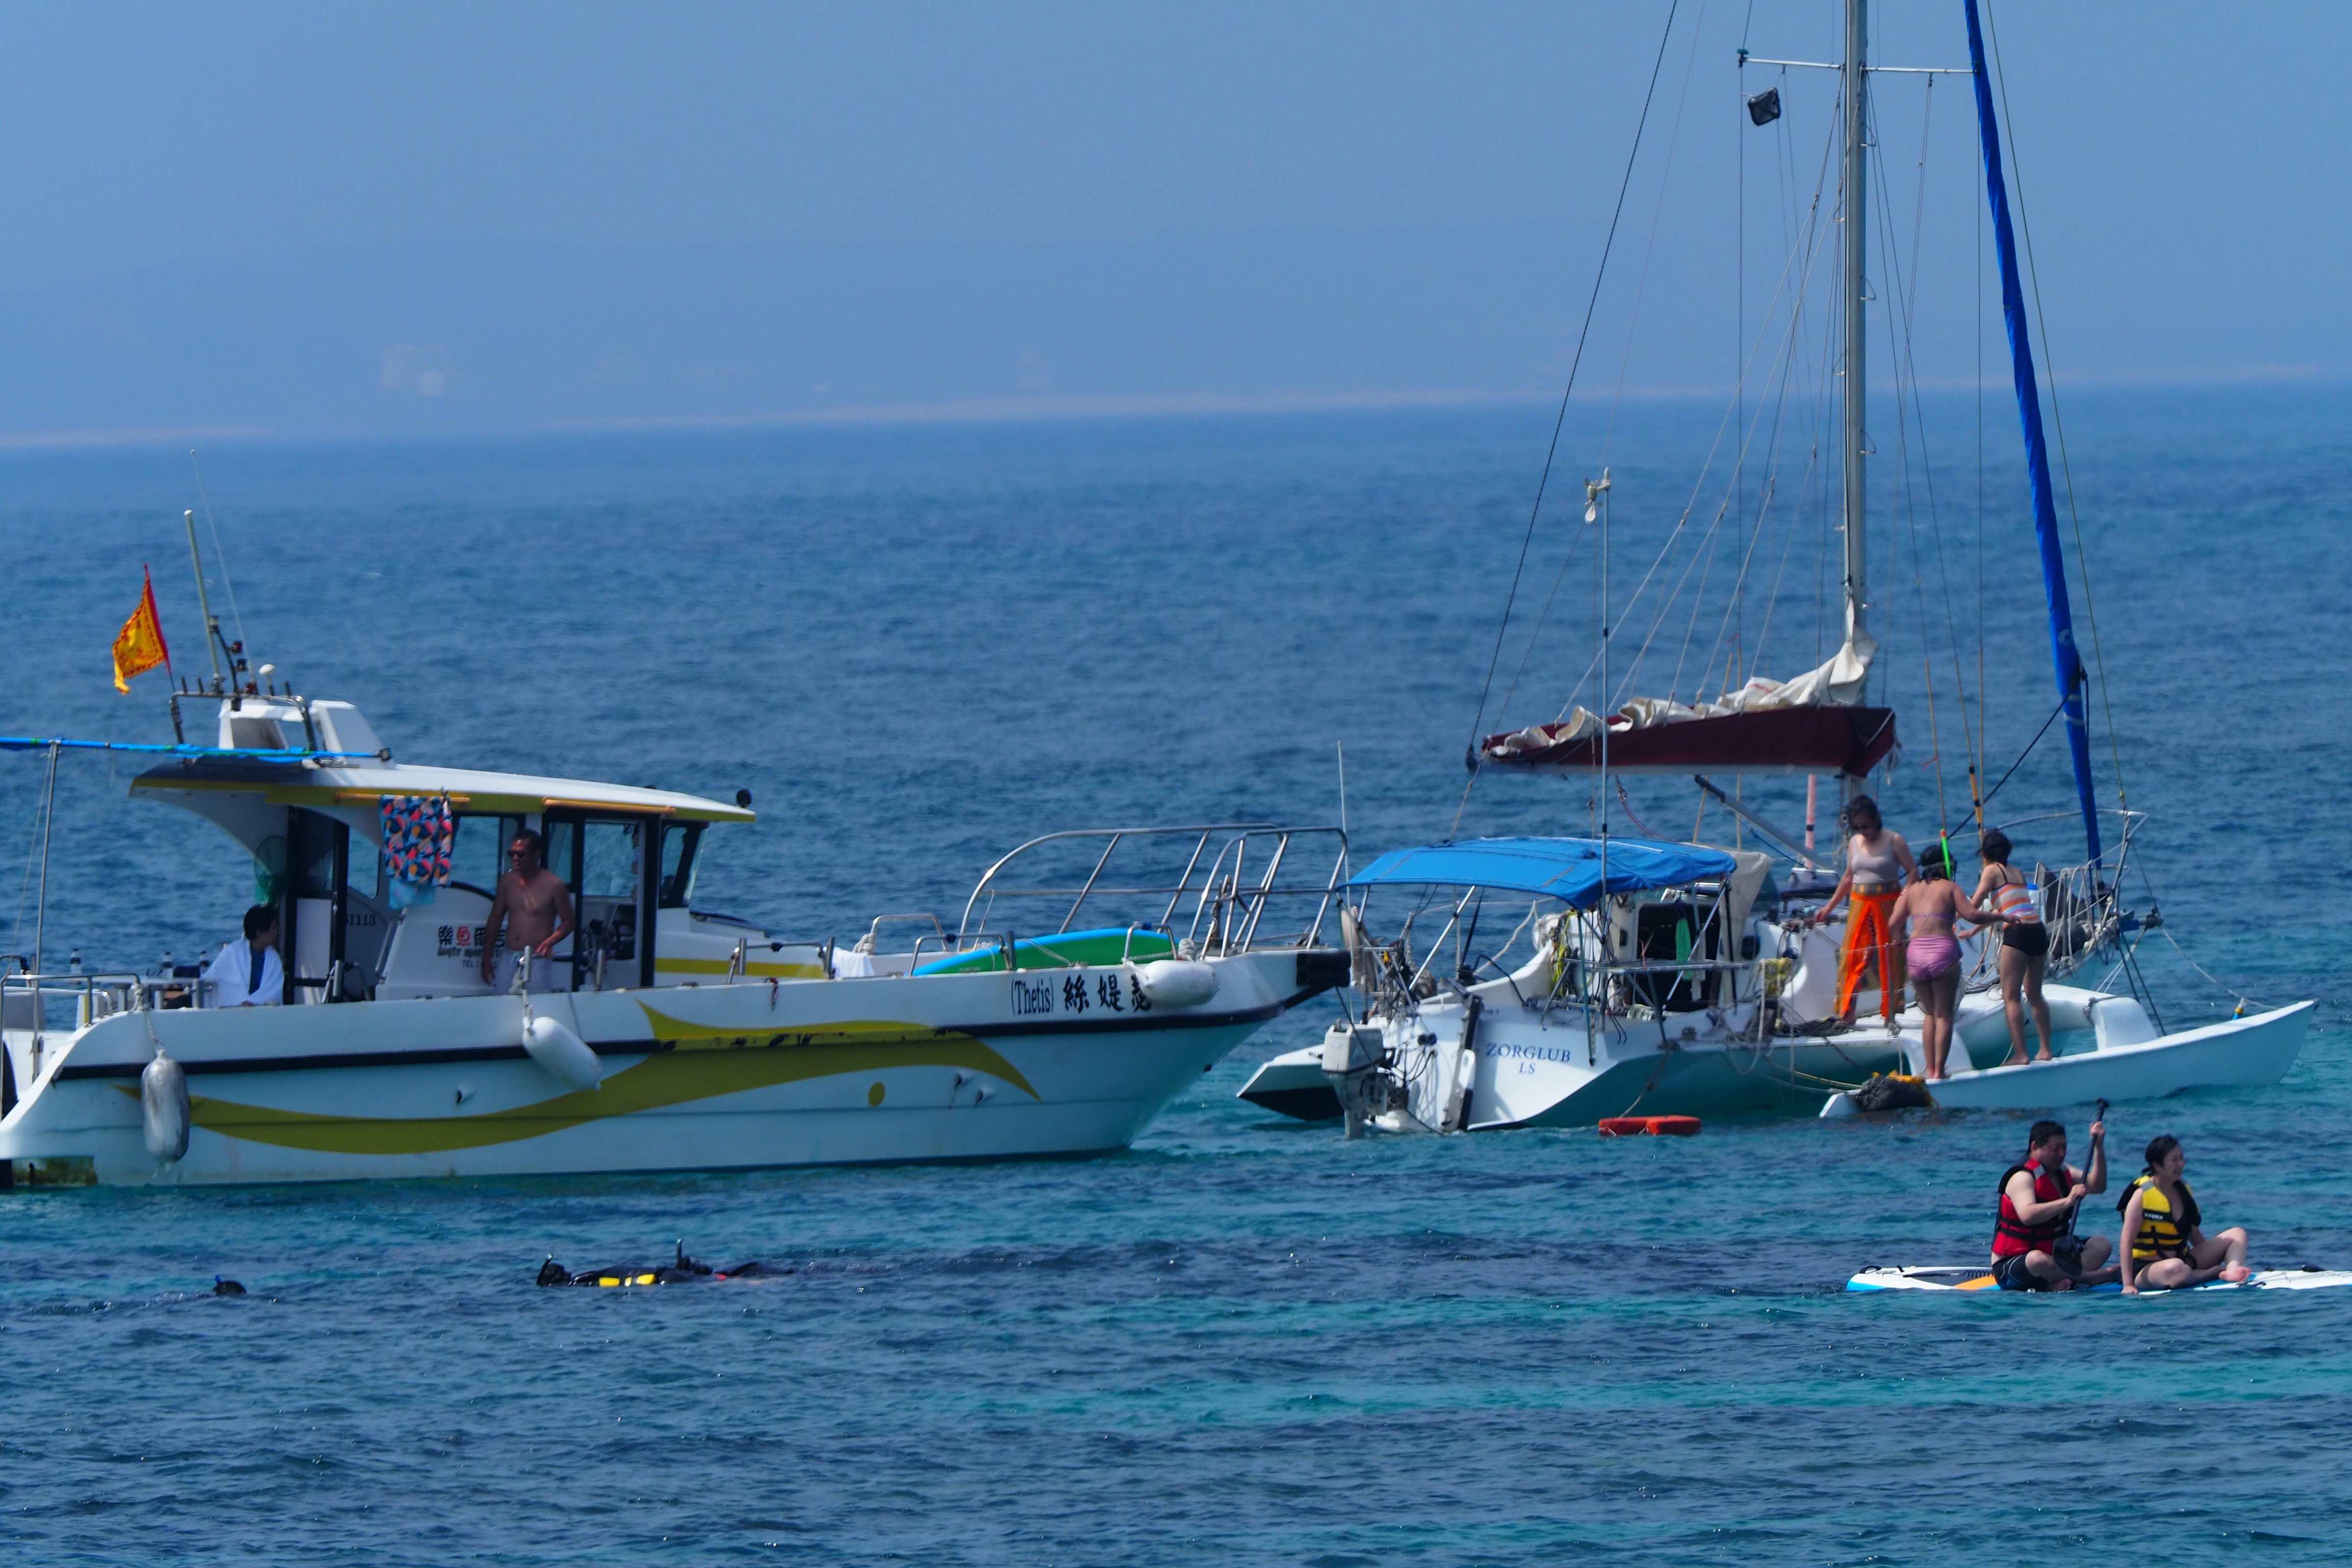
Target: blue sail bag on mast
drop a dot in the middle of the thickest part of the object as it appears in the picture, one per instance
(2063, 654)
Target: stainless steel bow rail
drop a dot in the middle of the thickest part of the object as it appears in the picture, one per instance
(1232, 875)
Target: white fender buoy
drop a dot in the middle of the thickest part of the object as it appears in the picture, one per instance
(564, 1054)
(1176, 981)
(1839, 1107)
(164, 1106)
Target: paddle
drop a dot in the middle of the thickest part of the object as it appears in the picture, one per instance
(2075, 1212)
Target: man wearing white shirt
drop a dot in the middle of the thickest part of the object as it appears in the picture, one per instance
(247, 973)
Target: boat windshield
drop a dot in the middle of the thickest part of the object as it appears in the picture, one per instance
(679, 840)
(477, 853)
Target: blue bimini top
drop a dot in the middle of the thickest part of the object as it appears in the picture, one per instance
(1564, 868)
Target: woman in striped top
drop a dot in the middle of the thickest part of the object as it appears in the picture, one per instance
(2024, 944)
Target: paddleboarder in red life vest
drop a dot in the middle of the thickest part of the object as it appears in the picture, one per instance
(2034, 1245)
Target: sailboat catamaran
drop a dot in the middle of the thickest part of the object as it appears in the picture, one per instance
(1687, 979)
(1092, 975)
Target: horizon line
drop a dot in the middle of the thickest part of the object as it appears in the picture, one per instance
(1048, 407)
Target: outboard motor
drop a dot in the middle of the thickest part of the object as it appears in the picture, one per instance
(1352, 1055)
(164, 1110)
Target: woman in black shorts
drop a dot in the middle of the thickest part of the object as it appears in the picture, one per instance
(2024, 944)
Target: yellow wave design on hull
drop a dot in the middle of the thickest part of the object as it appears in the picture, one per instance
(697, 1061)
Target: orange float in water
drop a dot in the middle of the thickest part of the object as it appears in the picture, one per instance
(1650, 1126)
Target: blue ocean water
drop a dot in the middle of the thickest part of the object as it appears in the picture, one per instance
(1245, 1339)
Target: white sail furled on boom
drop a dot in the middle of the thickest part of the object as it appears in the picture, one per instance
(1815, 722)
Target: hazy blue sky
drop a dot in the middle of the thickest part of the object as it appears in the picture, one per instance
(363, 219)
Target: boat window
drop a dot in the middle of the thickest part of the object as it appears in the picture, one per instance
(478, 857)
(311, 854)
(609, 860)
(678, 842)
(248, 733)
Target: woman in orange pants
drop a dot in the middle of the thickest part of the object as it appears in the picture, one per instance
(1877, 862)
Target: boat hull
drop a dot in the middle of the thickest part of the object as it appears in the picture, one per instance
(1526, 1067)
(1712, 1080)
(948, 1067)
(2251, 1052)
(1293, 1084)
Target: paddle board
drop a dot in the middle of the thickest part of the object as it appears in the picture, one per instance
(1974, 1277)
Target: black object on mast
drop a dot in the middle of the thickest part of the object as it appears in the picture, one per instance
(2063, 654)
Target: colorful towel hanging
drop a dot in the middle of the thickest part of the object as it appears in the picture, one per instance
(419, 832)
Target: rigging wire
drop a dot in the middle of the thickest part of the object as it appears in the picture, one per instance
(1675, 535)
(1732, 623)
(1903, 348)
(2028, 752)
(220, 556)
(1920, 415)
(1976, 776)
(2057, 420)
(1817, 413)
(1650, 244)
(1809, 255)
(1560, 420)
(1559, 577)
(1787, 373)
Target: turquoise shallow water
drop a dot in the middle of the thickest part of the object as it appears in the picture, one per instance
(1243, 1341)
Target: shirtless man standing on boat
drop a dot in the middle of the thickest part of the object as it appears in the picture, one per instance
(535, 909)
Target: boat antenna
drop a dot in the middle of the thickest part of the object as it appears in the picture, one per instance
(1596, 510)
(41, 908)
(219, 555)
(204, 603)
(1341, 746)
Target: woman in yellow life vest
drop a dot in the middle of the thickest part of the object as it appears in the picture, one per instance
(2162, 1247)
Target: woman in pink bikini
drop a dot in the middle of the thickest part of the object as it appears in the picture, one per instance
(1924, 914)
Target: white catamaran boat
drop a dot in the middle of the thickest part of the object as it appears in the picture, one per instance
(1649, 1001)
(1683, 979)
(674, 1038)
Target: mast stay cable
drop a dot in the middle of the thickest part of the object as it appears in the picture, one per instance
(1560, 420)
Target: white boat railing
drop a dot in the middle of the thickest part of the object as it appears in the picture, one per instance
(1232, 875)
(2082, 906)
(25, 996)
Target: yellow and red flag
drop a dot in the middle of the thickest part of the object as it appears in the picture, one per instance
(139, 647)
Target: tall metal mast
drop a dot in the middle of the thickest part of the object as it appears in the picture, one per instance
(1854, 282)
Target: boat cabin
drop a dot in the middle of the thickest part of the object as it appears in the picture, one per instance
(309, 806)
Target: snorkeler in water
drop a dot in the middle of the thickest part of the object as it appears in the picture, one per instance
(682, 1270)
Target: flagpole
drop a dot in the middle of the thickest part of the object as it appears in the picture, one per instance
(147, 603)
